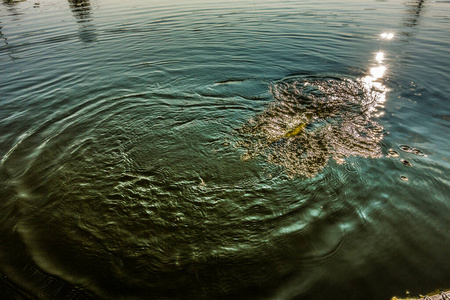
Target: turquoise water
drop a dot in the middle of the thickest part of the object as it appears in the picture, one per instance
(224, 149)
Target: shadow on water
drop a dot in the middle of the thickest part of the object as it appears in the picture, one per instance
(82, 11)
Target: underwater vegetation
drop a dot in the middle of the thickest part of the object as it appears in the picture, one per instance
(314, 119)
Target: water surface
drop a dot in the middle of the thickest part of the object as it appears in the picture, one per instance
(224, 149)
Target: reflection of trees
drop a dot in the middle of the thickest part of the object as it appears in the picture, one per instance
(414, 9)
(12, 2)
(3, 37)
(12, 10)
(82, 11)
(11, 6)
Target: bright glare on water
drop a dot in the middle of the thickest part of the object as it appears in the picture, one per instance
(224, 149)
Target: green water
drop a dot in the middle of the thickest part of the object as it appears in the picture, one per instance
(224, 149)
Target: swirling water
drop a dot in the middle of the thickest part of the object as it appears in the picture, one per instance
(224, 149)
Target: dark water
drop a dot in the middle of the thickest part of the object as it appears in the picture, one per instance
(224, 150)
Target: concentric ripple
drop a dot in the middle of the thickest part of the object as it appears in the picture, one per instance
(313, 119)
(110, 218)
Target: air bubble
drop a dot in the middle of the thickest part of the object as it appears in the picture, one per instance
(393, 153)
(406, 163)
(405, 148)
(409, 149)
(417, 152)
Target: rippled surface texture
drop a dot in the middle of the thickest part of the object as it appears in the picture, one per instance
(224, 149)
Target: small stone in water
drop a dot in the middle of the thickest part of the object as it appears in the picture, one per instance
(404, 178)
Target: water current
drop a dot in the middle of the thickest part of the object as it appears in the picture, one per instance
(224, 149)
